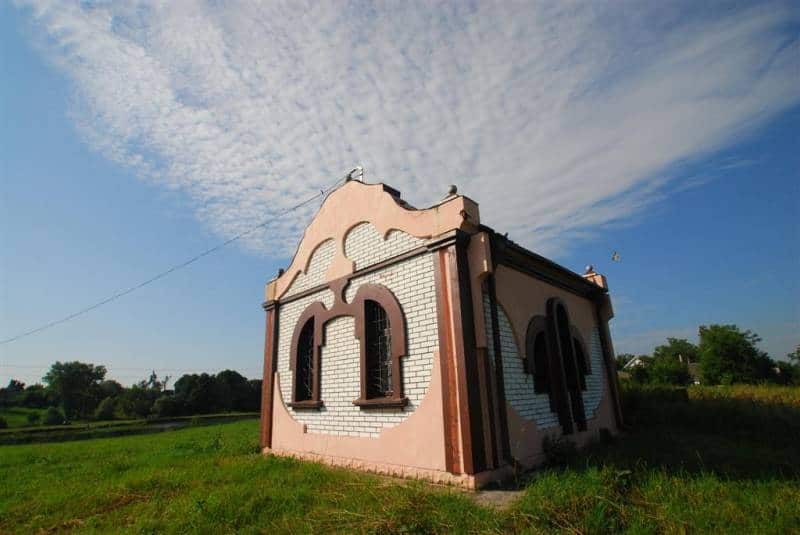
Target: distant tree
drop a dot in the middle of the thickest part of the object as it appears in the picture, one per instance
(106, 410)
(231, 391)
(622, 359)
(137, 401)
(786, 373)
(53, 416)
(794, 356)
(76, 385)
(111, 389)
(167, 405)
(16, 387)
(730, 355)
(154, 383)
(678, 349)
(11, 395)
(33, 418)
(669, 371)
(36, 397)
(197, 393)
(253, 395)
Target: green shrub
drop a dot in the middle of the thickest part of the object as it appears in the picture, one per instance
(33, 418)
(53, 416)
(106, 409)
(559, 450)
(3, 423)
(166, 406)
(737, 411)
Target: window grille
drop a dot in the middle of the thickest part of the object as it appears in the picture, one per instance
(379, 356)
(305, 363)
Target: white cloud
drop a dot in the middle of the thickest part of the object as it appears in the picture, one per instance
(558, 118)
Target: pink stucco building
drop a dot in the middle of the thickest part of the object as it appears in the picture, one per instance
(421, 343)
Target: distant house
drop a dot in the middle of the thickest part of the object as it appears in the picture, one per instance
(421, 343)
(634, 362)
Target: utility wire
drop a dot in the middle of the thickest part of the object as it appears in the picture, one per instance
(182, 265)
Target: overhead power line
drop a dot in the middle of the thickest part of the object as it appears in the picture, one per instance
(182, 265)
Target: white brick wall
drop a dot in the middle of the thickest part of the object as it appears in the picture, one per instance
(594, 382)
(365, 246)
(321, 259)
(412, 282)
(519, 385)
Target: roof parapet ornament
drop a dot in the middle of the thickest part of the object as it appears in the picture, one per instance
(356, 173)
(591, 276)
(452, 191)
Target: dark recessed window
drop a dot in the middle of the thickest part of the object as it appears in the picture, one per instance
(540, 364)
(378, 350)
(304, 372)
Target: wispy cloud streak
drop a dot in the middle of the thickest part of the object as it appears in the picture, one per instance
(558, 118)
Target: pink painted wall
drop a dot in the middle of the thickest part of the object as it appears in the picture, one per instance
(522, 297)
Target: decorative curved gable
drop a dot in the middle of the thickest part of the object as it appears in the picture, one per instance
(354, 203)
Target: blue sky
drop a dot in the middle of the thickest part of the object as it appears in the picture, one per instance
(133, 138)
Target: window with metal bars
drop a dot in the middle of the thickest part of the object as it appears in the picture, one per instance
(304, 370)
(378, 350)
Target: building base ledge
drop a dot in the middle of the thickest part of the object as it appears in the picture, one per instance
(466, 481)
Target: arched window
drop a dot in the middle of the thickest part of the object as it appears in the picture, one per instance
(568, 361)
(377, 331)
(536, 356)
(304, 368)
(380, 329)
(304, 361)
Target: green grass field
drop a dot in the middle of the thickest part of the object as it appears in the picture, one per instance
(677, 476)
(26, 434)
(18, 416)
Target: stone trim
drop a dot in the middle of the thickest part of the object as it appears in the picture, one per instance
(435, 244)
(270, 361)
(467, 365)
(446, 362)
(466, 481)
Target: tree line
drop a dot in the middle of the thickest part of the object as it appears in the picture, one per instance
(724, 355)
(80, 391)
